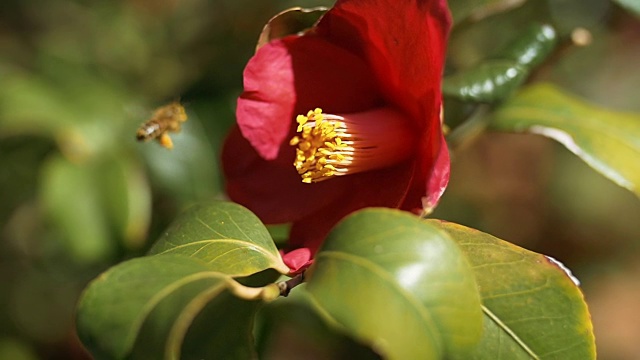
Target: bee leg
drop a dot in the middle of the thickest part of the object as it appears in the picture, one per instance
(165, 141)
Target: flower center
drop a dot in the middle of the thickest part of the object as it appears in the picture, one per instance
(332, 145)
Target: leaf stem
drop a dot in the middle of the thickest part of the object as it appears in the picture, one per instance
(286, 286)
(469, 130)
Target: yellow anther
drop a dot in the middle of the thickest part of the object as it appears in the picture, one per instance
(318, 146)
(304, 146)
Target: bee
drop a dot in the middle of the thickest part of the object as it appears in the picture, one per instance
(165, 119)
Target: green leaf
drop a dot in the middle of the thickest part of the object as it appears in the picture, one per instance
(631, 5)
(471, 44)
(532, 47)
(126, 197)
(532, 307)
(608, 141)
(488, 82)
(149, 305)
(227, 236)
(31, 105)
(294, 321)
(16, 349)
(73, 201)
(478, 9)
(55, 103)
(394, 282)
(189, 170)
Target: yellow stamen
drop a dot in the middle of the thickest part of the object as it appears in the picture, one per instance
(321, 153)
(331, 145)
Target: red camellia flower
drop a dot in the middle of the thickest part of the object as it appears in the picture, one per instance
(342, 117)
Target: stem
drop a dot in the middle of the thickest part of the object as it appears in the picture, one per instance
(286, 286)
(468, 131)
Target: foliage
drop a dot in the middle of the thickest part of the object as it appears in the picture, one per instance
(418, 277)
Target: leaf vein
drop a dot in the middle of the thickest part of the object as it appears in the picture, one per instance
(576, 344)
(211, 229)
(517, 293)
(223, 254)
(509, 332)
(238, 226)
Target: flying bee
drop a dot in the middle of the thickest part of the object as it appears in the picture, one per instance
(164, 120)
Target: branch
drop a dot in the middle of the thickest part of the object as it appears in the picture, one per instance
(286, 286)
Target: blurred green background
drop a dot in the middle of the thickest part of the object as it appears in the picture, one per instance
(79, 194)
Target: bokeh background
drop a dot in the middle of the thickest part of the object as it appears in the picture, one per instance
(79, 194)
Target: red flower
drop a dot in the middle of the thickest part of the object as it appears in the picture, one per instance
(374, 67)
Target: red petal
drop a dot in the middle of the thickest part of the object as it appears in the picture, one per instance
(272, 189)
(438, 179)
(404, 41)
(383, 188)
(297, 260)
(293, 75)
(431, 172)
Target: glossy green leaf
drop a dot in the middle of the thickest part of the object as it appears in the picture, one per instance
(608, 141)
(532, 47)
(491, 81)
(151, 306)
(73, 201)
(394, 282)
(631, 5)
(532, 307)
(471, 44)
(478, 9)
(227, 236)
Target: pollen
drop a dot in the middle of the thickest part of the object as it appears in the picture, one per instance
(322, 152)
(331, 145)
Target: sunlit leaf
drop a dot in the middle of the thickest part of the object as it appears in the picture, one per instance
(607, 140)
(488, 82)
(532, 307)
(228, 237)
(73, 201)
(153, 305)
(398, 284)
(289, 22)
